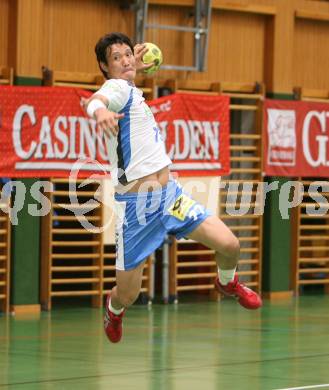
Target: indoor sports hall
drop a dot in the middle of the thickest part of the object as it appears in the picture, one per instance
(164, 194)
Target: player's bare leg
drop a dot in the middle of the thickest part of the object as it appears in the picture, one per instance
(123, 295)
(214, 234)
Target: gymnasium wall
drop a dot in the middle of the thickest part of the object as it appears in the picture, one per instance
(281, 43)
(4, 28)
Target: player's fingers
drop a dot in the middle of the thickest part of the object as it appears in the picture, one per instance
(137, 51)
(112, 126)
(139, 47)
(101, 127)
(108, 132)
(149, 65)
(144, 51)
(110, 122)
(104, 125)
(119, 116)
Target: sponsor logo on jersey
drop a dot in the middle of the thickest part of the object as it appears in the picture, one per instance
(181, 207)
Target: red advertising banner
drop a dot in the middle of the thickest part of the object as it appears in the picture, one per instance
(196, 132)
(44, 132)
(296, 136)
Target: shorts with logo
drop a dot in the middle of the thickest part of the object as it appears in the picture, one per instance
(144, 219)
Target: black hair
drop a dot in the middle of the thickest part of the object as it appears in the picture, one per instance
(105, 42)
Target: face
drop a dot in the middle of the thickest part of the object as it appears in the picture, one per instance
(120, 62)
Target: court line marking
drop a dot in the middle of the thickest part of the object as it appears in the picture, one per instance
(305, 387)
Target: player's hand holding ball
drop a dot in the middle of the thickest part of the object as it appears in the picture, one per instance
(153, 55)
(148, 57)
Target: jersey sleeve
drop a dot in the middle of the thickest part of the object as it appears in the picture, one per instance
(116, 92)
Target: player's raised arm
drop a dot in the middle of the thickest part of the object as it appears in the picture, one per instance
(139, 50)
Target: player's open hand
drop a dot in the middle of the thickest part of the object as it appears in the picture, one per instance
(107, 121)
(139, 50)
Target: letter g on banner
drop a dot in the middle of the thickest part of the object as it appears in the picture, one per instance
(322, 140)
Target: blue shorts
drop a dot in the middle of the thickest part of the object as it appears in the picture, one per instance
(144, 219)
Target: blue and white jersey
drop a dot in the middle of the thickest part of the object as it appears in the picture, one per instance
(138, 150)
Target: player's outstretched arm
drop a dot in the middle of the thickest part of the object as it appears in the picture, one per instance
(106, 120)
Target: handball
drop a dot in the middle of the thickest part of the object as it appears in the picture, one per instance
(153, 54)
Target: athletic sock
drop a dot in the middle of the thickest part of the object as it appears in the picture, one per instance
(115, 311)
(226, 275)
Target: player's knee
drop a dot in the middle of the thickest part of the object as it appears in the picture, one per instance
(128, 298)
(232, 247)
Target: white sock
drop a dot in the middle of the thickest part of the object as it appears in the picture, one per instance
(115, 311)
(226, 275)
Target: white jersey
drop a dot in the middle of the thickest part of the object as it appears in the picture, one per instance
(138, 150)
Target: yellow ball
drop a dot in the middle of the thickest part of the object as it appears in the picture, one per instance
(153, 54)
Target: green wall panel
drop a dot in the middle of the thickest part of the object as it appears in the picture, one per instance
(27, 81)
(25, 254)
(26, 241)
(277, 243)
(277, 235)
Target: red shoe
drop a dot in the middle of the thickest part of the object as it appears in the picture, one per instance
(112, 323)
(246, 297)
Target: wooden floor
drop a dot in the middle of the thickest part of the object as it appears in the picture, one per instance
(190, 346)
